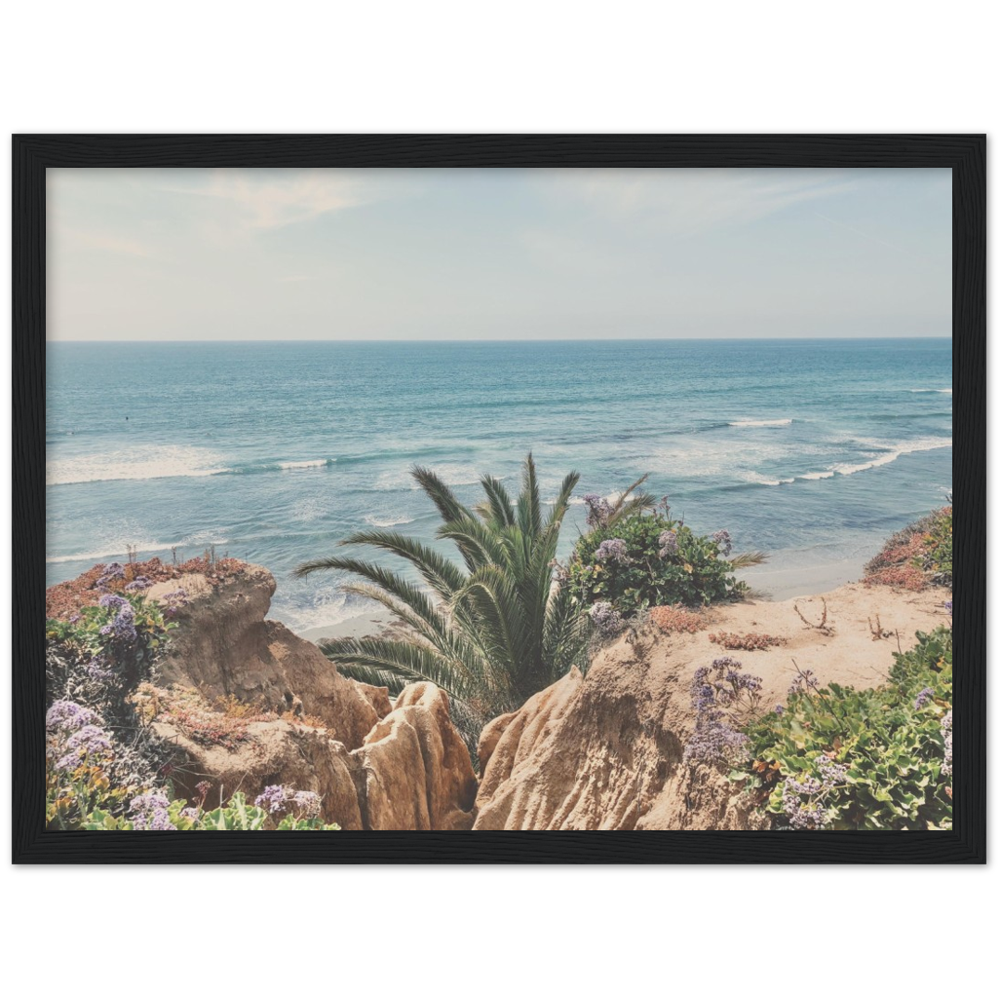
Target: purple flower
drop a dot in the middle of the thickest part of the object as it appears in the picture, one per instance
(721, 696)
(598, 510)
(307, 803)
(68, 717)
(668, 543)
(779, 709)
(808, 815)
(831, 773)
(274, 799)
(724, 541)
(99, 670)
(805, 680)
(173, 602)
(112, 571)
(88, 740)
(714, 741)
(946, 733)
(150, 811)
(139, 583)
(922, 698)
(725, 663)
(121, 628)
(611, 550)
(606, 619)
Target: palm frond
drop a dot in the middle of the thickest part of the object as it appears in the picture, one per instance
(435, 487)
(490, 635)
(439, 573)
(400, 661)
(631, 502)
(476, 540)
(567, 633)
(561, 505)
(745, 559)
(498, 506)
(529, 504)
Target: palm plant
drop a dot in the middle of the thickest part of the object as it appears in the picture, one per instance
(491, 631)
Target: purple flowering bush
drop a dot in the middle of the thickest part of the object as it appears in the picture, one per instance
(725, 700)
(841, 759)
(644, 559)
(606, 620)
(116, 640)
(154, 810)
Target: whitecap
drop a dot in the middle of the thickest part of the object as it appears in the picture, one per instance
(947, 392)
(314, 463)
(760, 480)
(145, 462)
(892, 452)
(389, 521)
(761, 423)
(143, 549)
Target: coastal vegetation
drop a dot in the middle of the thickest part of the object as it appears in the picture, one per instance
(839, 758)
(493, 629)
(106, 769)
(635, 557)
(917, 557)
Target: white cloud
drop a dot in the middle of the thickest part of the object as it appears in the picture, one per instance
(687, 202)
(272, 199)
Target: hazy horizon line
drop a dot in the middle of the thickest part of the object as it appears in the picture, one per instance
(500, 340)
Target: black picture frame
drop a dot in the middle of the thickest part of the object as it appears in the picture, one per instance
(965, 155)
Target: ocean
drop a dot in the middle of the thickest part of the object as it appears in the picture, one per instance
(812, 451)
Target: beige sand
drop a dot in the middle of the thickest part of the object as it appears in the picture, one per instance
(850, 654)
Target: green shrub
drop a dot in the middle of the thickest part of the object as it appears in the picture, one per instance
(838, 758)
(236, 814)
(115, 640)
(661, 562)
(937, 557)
(918, 555)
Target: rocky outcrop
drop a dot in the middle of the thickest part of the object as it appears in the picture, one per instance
(605, 751)
(225, 646)
(412, 771)
(417, 770)
(245, 703)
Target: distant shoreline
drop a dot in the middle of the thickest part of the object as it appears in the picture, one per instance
(770, 584)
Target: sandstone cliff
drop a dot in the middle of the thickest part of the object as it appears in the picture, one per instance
(605, 751)
(245, 703)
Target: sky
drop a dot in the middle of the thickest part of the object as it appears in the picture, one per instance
(490, 254)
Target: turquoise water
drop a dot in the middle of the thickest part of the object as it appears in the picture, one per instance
(810, 450)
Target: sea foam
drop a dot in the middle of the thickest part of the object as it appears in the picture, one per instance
(147, 462)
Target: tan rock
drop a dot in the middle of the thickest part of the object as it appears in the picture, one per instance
(277, 753)
(413, 772)
(605, 751)
(420, 722)
(224, 646)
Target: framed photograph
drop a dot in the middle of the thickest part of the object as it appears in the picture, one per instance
(499, 499)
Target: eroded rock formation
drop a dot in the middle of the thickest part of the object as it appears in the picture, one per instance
(605, 751)
(245, 703)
